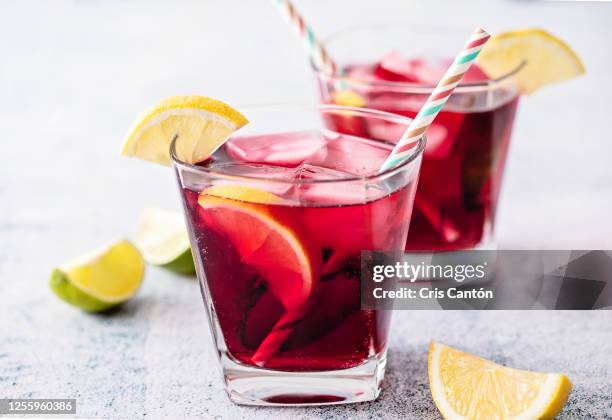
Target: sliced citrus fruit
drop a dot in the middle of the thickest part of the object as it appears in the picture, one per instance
(348, 98)
(243, 193)
(465, 386)
(162, 238)
(202, 125)
(101, 279)
(266, 237)
(547, 58)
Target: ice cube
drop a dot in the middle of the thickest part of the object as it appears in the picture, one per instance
(431, 71)
(360, 72)
(351, 155)
(386, 131)
(440, 135)
(398, 102)
(332, 193)
(260, 171)
(280, 149)
(438, 144)
(393, 67)
(308, 171)
(475, 74)
(255, 170)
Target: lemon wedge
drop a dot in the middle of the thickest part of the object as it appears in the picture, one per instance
(202, 124)
(465, 386)
(547, 58)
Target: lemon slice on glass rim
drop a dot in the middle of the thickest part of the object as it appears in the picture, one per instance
(546, 58)
(202, 124)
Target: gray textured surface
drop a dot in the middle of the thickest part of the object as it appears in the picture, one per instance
(73, 76)
(154, 356)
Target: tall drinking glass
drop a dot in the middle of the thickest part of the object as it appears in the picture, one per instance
(394, 68)
(278, 218)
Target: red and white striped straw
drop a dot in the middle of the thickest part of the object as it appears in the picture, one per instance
(437, 99)
(315, 48)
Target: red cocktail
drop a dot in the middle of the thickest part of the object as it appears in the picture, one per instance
(467, 144)
(278, 218)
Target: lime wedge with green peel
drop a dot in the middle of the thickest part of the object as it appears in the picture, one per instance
(162, 238)
(547, 59)
(202, 125)
(100, 280)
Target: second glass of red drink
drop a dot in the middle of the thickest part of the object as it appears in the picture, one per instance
(394, 68)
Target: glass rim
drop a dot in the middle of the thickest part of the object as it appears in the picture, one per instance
(212, 172)
(409, 87)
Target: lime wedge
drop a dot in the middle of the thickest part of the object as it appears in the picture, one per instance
(100, 280)
(162, 238)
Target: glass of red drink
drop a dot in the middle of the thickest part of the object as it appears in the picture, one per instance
(394, 68)
(278, 217)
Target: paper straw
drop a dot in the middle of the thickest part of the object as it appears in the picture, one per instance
(315, 49)
(437, 99)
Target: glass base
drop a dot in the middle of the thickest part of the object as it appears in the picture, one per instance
(248, 385)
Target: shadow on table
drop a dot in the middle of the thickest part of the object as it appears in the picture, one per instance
(127, 309)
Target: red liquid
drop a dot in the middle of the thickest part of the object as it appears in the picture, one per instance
(247, 294)
(466, 150)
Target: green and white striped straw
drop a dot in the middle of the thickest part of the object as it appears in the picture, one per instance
(437, 99)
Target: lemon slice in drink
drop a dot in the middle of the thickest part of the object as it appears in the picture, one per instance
(267, 237)
(547, 58)
(162, 238)
(465, 386)
(100, 280)
(202, 124)
(348, 98)
(243, 193)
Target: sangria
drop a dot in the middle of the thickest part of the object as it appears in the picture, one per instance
(278, 217)
(392, 69)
